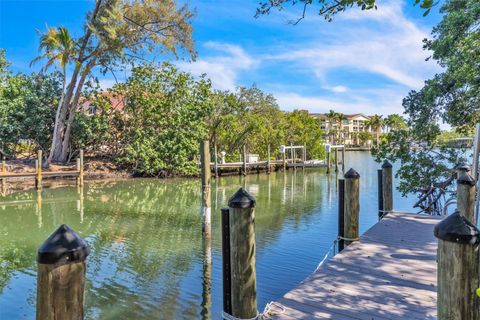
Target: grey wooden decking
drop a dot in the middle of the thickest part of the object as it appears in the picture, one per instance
(390, 273)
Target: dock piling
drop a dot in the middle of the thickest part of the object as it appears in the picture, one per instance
(343, 159)
(242, 255)
(226, 265)
(341, 213)
(38, 180)
(61, 276)
(244, 160)
(206, 184)
(4, 171)
(387, 186)
(328, 149)
(336, 159)
(458, 268)
(268, 159)
(466, 195)
(80, 177)
(380, 193)
(352, 206)
(215, 157)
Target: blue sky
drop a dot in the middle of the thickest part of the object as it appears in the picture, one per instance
(361, 62)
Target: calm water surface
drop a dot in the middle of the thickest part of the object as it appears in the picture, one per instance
(147, 253)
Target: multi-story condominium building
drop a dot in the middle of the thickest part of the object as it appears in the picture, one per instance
(353, 129)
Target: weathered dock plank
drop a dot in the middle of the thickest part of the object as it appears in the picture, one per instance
(390, 273)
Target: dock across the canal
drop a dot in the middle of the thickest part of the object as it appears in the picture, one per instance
(389, 273)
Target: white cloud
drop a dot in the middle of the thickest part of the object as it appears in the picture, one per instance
(382, 42)
(338, 89)
(383, 102)
(223, 68)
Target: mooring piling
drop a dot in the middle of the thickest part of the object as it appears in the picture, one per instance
(336, 159)
(4, 171)
(387, 186)
(206, 186)
(466, 195)
(244, 160)
(243, 292)
(61, 276)
(343, 158)
(38, 164)
(226, 265)
(341, 214)
(328, 150)
(215, 157)
(268, 159)
(458, 268)
(352, 206)
(380, 192)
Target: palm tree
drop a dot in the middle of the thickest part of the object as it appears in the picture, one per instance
(375, 123)
(335, 118)
(58, 47)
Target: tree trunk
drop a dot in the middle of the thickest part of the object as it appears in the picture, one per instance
(72, 111)
(56, 148)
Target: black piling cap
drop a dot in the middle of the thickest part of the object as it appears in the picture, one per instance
(456, 228)
(352, 174)
(63, 246)
(386, 164)
(242, 199)
(465, 178)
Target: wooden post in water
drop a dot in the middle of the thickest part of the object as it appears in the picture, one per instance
(215, 157)
(343, 158)
(78, 170)
(341, 213)
(61, 276)
(328, 149)
(336, 159)
(244, 160)
(466, 195)
(38, 180)
(387, 185)
(380, 193)
(268, 159)
(226, 264)
(206, 184)
(242, 255)
(458, 268)
(4, 171)
(304, 155)
(80, 177)
(352, 205)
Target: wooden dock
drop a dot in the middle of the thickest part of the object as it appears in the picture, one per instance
(390, 273)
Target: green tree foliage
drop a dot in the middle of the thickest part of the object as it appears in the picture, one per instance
(27, 112)
(163, 120)
(302, 129)
(115, 32)
(329, 8)
(451, 97)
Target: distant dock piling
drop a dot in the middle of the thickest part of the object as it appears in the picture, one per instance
(352, 206)
(387, 186)
(61, 276)
(380, 192)
(206, 187)
(4, 171)
(39, 163)
(241, 247)
(341, 213)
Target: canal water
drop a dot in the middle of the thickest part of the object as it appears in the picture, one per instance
(147, 255)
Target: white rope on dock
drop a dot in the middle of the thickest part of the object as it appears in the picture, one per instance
(332, 248)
